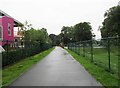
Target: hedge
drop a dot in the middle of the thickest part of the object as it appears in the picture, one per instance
(15, 55)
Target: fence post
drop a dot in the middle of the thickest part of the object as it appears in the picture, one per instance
(119, 59)
(7, 48)
(68, 45)
(83, 49)
(76, 48)
(108, 43)
(73, 47)
(79, 48)
(91, 50)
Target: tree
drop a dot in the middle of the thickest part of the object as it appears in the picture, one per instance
(111, 24)
(64, 33)
(39, 36)
(58, 39)
(79, 32)
(53, 38)
(22, 29)
(67, 34)
(82, 31)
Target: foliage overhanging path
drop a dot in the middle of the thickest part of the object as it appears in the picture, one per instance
(59, 68)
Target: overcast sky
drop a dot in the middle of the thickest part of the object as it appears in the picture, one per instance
(54, 14)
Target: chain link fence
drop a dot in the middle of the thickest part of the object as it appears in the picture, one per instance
(104, 52)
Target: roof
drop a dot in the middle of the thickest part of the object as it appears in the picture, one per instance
(16, 22)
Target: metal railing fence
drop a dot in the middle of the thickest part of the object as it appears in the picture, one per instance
(104, 52)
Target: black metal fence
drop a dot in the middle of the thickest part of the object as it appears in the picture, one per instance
(104, 52)
(15, 51)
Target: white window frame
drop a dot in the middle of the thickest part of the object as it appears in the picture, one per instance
(10, 29)
(1, 33)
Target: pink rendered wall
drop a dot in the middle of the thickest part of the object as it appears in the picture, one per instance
(0, 21)
(0, 25)
(5, 21)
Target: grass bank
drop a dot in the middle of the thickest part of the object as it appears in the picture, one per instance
(10, 73)
(107, 79)
(100, 57)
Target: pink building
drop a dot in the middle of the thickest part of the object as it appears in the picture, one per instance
(7, 24)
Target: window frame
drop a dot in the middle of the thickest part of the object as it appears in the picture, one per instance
(9, 30)
(1, 33)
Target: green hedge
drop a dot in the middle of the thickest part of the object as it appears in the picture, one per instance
(18, 54)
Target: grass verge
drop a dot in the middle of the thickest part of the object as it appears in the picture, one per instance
(10, 73)
(101, 57)
(107, 79)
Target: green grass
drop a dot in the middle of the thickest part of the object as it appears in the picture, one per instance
(101, 57)
(10, 73)
(107, 79)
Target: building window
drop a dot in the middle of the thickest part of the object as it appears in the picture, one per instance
(0, 33)
(9, 29)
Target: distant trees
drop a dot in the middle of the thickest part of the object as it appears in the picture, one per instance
(37, 36)
(79, 32)
(111, 24)
(32, 36)
(82, 31)
(67, 34)
(53, 39)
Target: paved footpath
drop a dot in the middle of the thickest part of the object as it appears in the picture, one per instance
(57, 69)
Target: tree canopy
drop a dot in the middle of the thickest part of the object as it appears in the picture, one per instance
(79, 32)
(82, 31)
(111, 24)
(37, 36)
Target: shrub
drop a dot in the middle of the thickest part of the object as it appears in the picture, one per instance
(15, 55)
